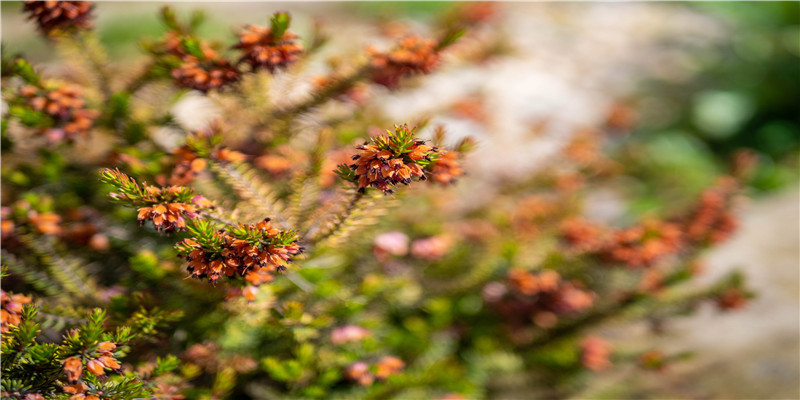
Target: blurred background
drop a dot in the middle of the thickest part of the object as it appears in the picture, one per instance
(698, 82)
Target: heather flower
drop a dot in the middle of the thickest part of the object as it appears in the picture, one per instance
(388, 366)
(65, 106)
(412, 56)
(393, 243)
(52, 16)
(73, 367)
(239, 251)
(348, 333)
(432, 248)
(190, 159)
(643, 245)
(712, 221)
(446, 169)
(205, 74)
(638, 246)
(11, 311)
(269, 48)
(538, 297)
(168, 207)
(389, 159)
(359, 372)
(652, 360)
(583, 235)
(732, 299)
(195, 64)
(595, 353)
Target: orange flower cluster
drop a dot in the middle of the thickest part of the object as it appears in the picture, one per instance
(11, 311)
(414, 55)
(653, 360)
(638, 246)
(595, 353)
(46, 223)
(201, 144)
(712, 221)
(205, 74)
(65, 106)
(643, 245)
(732, 299)
(250, 250)
(52, 16)
(540, 298)
(390, 159)
(100, 358)
(385, 367)
(261, 49)
(202, 68)
(171, 216)
(583, 235)
(446, 169)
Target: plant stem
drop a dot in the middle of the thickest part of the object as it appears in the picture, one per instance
(142, 79)
(341, 218)
(97, 61)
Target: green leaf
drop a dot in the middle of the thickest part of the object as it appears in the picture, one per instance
(280, 24)
(25, 70)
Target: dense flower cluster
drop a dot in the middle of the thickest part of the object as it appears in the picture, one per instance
(348, 334)
(249, 250)
(732, 299)
(638, 246)
(413, 55)
(389, 159)
(361, 372)
(100, 358)
(10, 314)
(52, 16)
(190, 159)
(268, 48)
(65, 106)
(595, 353)
(712, 221)
(643, 245)
(170, 216)
(539, 297)
(21, 212)
(167, 207)
(200, 66)
(205, 74)
(446, 169)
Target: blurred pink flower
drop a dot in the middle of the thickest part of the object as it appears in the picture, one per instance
(432, 248)
(391, 243)
(349, 333)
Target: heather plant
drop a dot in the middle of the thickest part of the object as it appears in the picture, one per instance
(289, 249)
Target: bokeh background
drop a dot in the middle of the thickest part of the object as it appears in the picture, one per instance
(700, 80)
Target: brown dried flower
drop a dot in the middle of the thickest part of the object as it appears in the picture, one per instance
(595, 353)
(262, 49)
(52, 16)
(205, 74)
(712, 221)
(65, 106)
(11, 311)
(389, 159)
(412, 56)
(245, 250)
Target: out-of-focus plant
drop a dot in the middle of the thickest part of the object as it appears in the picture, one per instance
(318, 273)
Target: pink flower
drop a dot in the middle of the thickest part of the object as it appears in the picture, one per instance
(391, 243)
(432, 248)
(349, 333)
